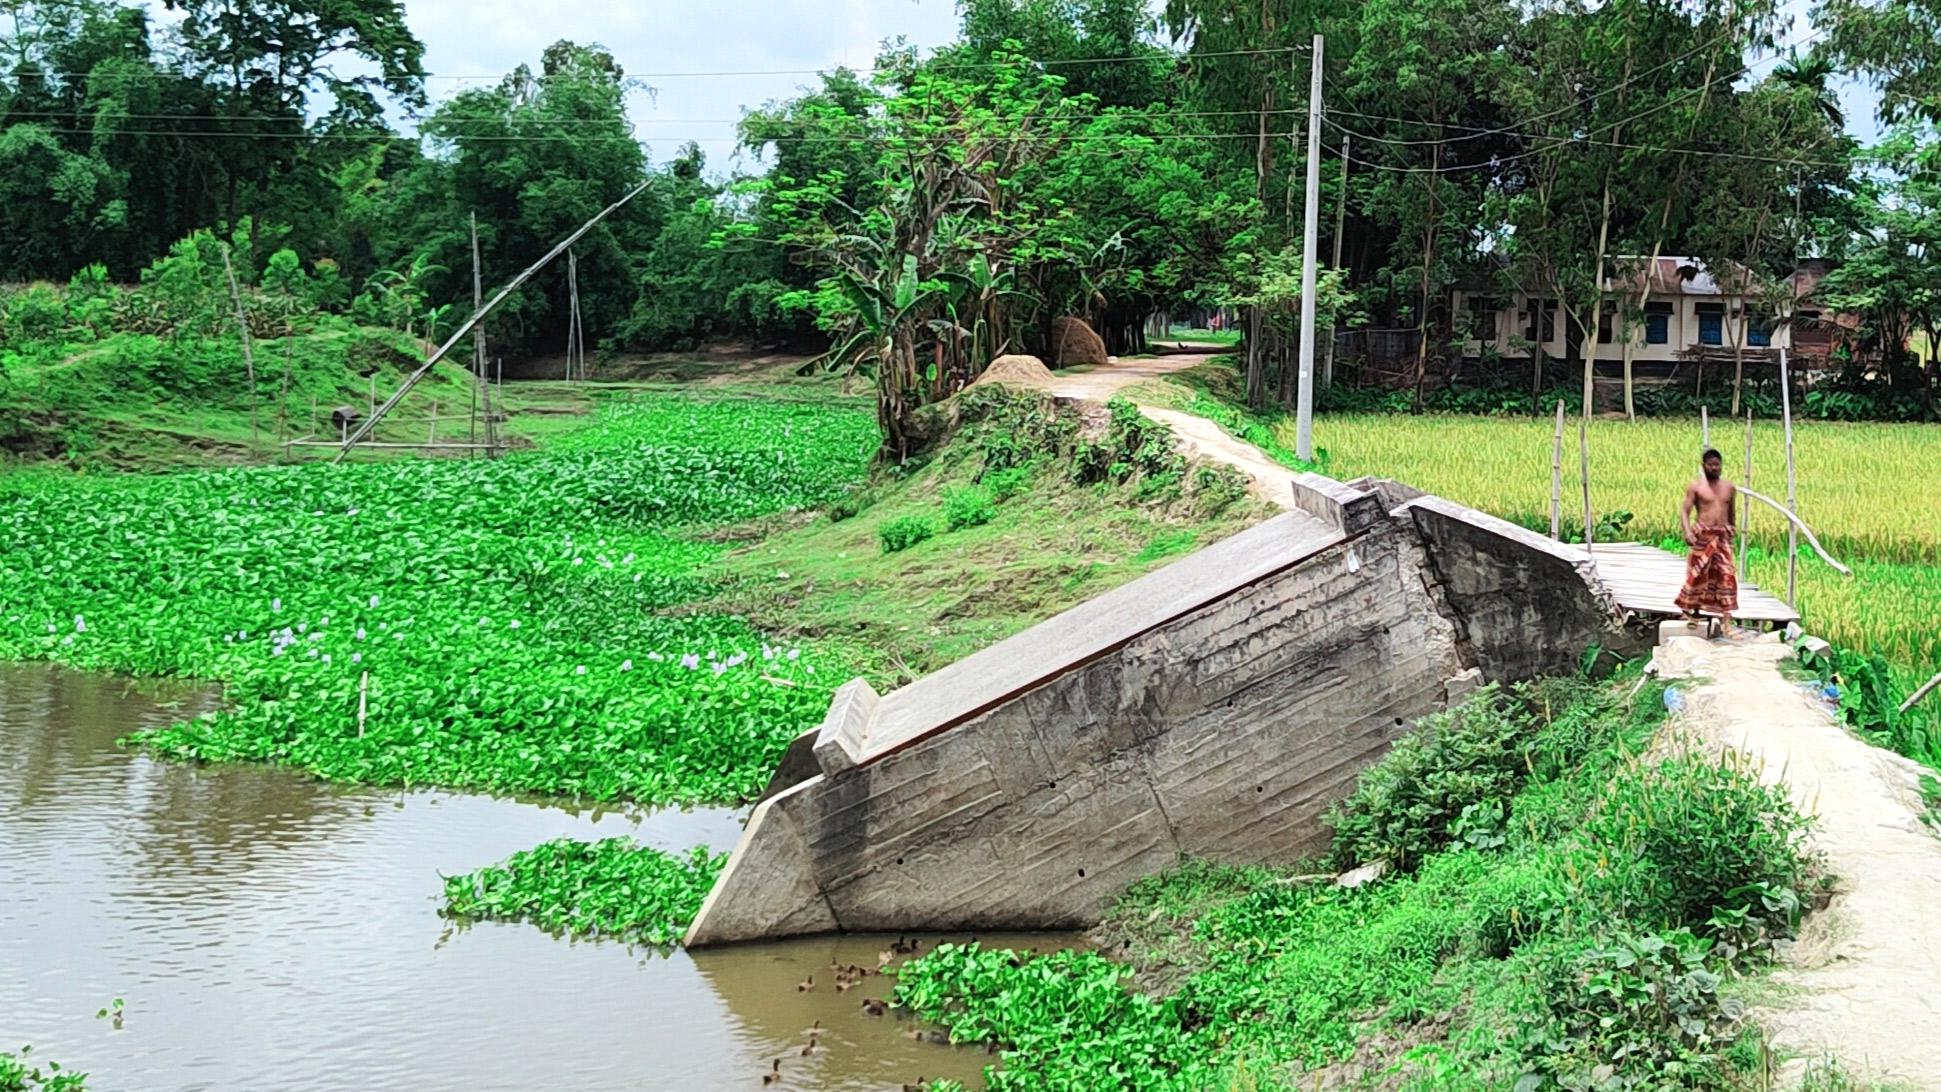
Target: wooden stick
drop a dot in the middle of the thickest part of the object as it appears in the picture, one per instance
(283, 396)
(443, 445)
(1926, 689)
(1584, 468)
(363, 686)
(1792, 496)
(572, 308)
(478, 332)
(431, 431)
(1739, 548)
(242, 331)
(1557, 477)
(1704, 427)
(364, 428)
(1800, 526)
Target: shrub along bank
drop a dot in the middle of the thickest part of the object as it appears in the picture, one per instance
(1562, 915)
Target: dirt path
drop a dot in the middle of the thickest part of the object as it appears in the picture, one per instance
(1865, 986)
(1198, 437)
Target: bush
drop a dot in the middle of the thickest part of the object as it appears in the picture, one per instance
(1409, 804)
(904, 532)
(1007, 483)
(1675, 842)
(970, 506)
(1641, 1011)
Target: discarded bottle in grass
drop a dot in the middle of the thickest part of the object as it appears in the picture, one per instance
(1674, 700)
(1830, 692)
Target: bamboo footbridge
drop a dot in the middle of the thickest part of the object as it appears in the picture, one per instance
(1645, 579)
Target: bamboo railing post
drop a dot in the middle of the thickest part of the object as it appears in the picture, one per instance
(1557, 476)
(1792, 495)
(1740, 546)
(1584, 468)
(242, 331)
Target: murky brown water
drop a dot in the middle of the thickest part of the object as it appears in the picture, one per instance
(269, 931)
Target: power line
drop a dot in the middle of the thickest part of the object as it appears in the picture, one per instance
(374, 138)
(944, 66)
(1125, 114)
(1516, 129)
(1585, 101)
(1553, 141)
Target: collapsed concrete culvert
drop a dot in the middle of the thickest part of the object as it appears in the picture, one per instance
(1215, 708)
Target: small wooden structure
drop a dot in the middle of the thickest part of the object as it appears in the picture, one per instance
(1645, 580)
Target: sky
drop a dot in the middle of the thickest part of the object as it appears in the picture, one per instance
(708, 60)
(788, 41)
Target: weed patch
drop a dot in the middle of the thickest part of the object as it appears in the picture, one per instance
(507, 625)
(610, 888)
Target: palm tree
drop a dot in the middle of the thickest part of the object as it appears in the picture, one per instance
(1810, 74)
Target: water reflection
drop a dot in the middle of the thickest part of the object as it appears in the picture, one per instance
(271, 931)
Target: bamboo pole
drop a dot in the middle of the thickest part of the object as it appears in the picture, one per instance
(242, 332)
(1584, 470)
(1926, 688)
(1792, 495)
(365, 427)
(1705, 428)
(478, 332)
(442, 445)
(1799, 526)
(283, 395)
(572, 308)
(1557, 477)
(1740, 546)
(431, 429)
(363, 687)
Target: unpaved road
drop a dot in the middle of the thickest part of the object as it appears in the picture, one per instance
(1865, 984)
(1198, 437)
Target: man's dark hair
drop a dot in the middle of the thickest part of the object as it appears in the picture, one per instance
(1711, 453)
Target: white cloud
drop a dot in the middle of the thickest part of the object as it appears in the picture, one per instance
(681, 49)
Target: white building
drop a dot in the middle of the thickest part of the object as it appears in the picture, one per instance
(1687, 315)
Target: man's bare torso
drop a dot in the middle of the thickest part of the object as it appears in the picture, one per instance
(1712, 501)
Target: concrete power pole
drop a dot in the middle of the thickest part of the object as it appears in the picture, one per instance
(1304, 433)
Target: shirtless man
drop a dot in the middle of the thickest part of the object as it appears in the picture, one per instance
(1711, 582)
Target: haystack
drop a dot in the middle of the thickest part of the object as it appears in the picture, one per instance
(1027, 371)
(1074, 342)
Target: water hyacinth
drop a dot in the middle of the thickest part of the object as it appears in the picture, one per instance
(459, 704)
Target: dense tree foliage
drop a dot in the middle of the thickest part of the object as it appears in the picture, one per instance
(1063, 157)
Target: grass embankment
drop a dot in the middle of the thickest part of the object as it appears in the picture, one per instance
(1014, 519)
(146, 401)
(1563, 915)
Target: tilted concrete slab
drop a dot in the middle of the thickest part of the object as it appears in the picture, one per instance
(1216, 707)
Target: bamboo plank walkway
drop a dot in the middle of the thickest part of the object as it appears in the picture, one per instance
(1645, 579)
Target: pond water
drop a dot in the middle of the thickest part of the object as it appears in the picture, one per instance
(267, 930)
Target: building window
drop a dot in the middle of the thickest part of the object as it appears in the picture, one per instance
(1482, 318)
(1657, 324)
(1546, 311)
(1711, 324)
(1759, 331)
(1607, 324)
